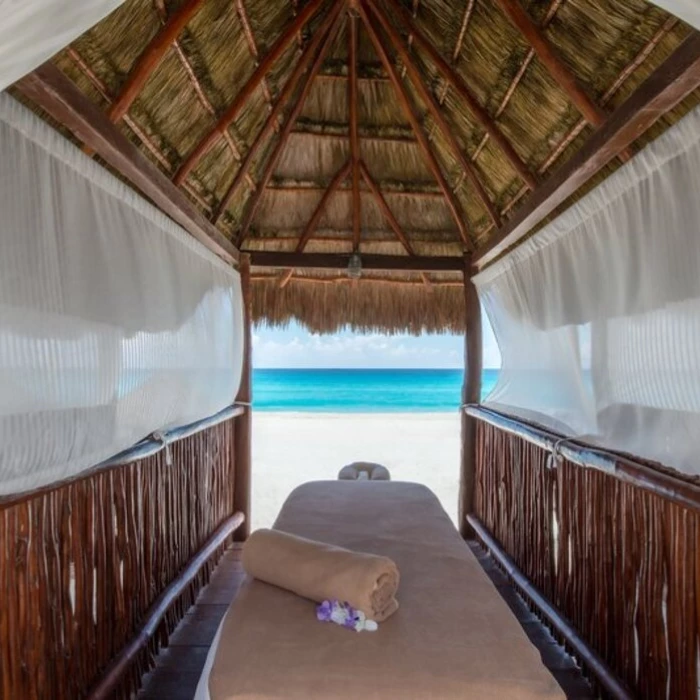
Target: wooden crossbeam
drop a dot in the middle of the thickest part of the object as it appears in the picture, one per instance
(414, 121)
(151, 58)
(248, 89)
(385, 209)
(391, 188)
(289, 123)
(517, 15)
(678, 76)
(354, 139)
(435, 111)
(459, 85)
(366, 132)
(56, 94)
(339, 261)
(284, 97)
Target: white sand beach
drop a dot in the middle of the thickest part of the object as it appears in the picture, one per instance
(291, 448)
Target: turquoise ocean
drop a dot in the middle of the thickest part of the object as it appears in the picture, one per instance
(361, 390)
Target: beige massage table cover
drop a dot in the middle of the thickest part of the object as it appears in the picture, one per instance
(453, 637)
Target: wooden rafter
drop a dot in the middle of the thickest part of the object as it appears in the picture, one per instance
(517, 15)
(458, 84)
(354, 140)
(56, 94)
(151, 58)
(413, 119)
(289, 123)
(384, 207)
(468, 10)
(339, 261)
(435, 111)
(197, 86)
(253, 48)
(661, 91)
(310, 227)
(247, 90)
(284, 97)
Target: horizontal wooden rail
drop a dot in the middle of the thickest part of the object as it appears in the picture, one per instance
(148, 447)
(660, 483)
(339, 261)
(593, 662)
(154, 616)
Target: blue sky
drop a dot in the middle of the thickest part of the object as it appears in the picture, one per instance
(295, 347)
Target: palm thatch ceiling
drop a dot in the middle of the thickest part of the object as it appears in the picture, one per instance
(393, 127)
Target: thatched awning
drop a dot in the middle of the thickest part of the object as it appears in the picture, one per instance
(375, 126)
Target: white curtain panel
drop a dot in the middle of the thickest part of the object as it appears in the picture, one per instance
(598, 315)
(114, 322)
(31, 31)
(687, 10)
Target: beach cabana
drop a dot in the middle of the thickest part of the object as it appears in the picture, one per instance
(175, 171)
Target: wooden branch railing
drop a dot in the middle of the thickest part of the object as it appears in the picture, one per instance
(99, 570)
(611, 542)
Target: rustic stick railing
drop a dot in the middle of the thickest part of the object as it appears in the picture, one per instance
(611, 542)
(100, 569)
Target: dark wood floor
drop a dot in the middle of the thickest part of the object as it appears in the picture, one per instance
(179, 667)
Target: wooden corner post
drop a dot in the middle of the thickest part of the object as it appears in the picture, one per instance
(242, 448)
(471, 393)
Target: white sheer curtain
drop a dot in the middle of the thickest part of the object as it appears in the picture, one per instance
(598, 315)
(114, 322)
(31, 31)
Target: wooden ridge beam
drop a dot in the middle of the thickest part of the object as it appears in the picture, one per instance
(390, 188)
(284, 97)
(673, 80)
(244, 94)
(49, 88)
(289, 122)
(413, 119)
(151, 58)
(339, 261)
(459, 85)
(354, 138)
(520, 19)
(435, 112)
(365, 132)
(388, 214)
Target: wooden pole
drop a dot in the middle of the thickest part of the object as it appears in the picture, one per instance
(242, 448)
(471, 393)
(354, 140)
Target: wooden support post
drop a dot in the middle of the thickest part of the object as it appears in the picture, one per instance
(471, 393)
(243, 461)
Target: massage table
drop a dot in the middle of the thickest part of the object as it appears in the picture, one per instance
(453, 637)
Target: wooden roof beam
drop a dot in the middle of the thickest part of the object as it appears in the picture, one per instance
(388, 214)
(56, 94)
(435, 112)
(244, 94)
(289, 123)
(414, 121)
(391, 188)
(517, 15)
(339, 261)
(284, 97)
(354, 139)
(459, 85)
(310, 227)
(673, 80)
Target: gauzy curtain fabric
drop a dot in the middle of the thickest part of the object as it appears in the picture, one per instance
(597, 316)
(31, 31)
(687, 10)
(114, 322)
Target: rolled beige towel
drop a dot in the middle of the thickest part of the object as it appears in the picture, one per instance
(323, 572)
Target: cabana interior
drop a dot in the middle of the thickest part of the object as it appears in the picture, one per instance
(174, 172)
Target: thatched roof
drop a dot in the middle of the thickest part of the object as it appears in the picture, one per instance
(536, 123)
